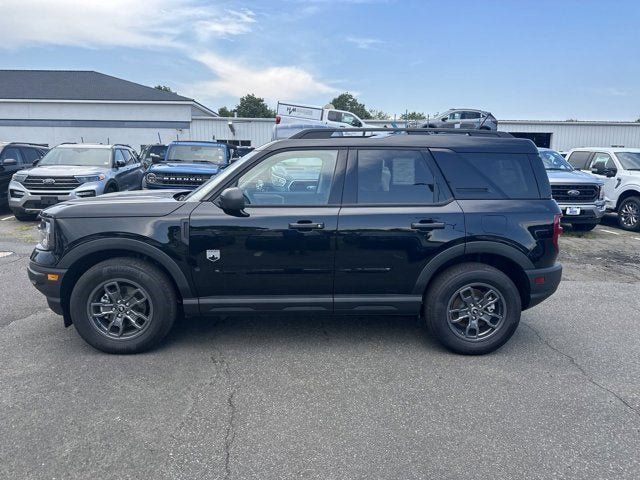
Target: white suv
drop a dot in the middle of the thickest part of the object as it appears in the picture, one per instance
(620, 170)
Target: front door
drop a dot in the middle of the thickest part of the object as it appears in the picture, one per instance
(280, 256)
(601, 162)
(397, 215)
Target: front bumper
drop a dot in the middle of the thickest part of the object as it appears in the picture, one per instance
(543, 282)
(27, 201)
(49, 282)
(589, 212)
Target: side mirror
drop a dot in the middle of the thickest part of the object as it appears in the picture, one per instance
(155, 158)
(610, 172)
(231, 200)
(444, 119)
(8, 162)
(36, 162)
(120, 163)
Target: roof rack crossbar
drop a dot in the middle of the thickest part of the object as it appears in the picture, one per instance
(317, 133)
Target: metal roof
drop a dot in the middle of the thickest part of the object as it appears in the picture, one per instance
(77, 85)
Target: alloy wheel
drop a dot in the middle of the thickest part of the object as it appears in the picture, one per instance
(629, 214)
(476, 312)
(120, 309)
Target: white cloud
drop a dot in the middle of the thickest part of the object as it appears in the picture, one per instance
(185, 26)
(120, 23)
(365, 43)
(272, 83)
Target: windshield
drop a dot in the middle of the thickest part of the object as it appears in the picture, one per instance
(554, 161)
(160, 150)
(203, 190)
(87, 157)
(629, 160)
(198, 153)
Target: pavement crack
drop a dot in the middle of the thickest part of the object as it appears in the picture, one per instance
(230, 431)
(582, 370)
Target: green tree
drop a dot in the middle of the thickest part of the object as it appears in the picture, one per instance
(164, 88)
(225, 112)
(251, 106)
(346, 101)
(413, 116)
(379, 115)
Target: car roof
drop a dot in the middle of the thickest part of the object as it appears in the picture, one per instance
(86, 145)
(195, 142)
(606, 149)
(457, 142)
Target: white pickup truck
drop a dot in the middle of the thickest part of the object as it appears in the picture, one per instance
(292, 118)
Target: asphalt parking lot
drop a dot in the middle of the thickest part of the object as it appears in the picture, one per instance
(331, 398)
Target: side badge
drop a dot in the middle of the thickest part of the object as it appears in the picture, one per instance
(213, 255)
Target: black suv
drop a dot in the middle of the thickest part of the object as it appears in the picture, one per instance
(16, 156)
(459, 228)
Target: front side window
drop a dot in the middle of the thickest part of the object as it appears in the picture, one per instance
(302, 177)
(579, 159)
(455, 116)
(602, 161)
(119, 156)
(394, 177)
(13, 153)
(629, 160)
(29, 155)
(80, 156)
(351, 120)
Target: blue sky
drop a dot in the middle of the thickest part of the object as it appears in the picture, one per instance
(520, 59)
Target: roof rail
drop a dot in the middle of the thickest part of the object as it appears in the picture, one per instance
(317, 133)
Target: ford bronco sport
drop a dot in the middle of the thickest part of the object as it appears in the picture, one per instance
(458, 228)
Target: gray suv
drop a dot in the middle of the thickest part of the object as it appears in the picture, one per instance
(70, 171)
(579, 195)
(463, 118)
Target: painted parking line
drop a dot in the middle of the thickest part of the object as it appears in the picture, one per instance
(636, 238)
(5, 254)
(7, 218)
(609, 231)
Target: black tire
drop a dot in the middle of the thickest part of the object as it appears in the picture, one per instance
(24, 217)
(583, 227)
(443, 290)
(158, 289)
(111, 188)
(629, 214)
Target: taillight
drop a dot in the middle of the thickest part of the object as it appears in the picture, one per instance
(278, 119)
(557, 230)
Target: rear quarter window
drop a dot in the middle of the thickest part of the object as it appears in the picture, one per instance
(488, 175)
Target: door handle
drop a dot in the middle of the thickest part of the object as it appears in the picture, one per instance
(306, 225)
(427, 225)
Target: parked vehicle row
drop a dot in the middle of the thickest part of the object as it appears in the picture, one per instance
(36, 178)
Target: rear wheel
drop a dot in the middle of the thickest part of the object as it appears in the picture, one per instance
(123, 305)
(472, 308)
(583, 227)
(629, 214)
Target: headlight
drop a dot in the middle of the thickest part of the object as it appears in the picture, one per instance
(47, 240)
(151, 178)
(19, 177)
(601, 195)
(90, 178)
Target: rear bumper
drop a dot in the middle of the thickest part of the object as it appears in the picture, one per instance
(543, 282)
(48, 281)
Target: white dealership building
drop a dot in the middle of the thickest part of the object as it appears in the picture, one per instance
(52, 107)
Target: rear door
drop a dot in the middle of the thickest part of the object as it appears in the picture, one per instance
(397, 214)
(280, 257)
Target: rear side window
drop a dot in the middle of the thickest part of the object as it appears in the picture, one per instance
(395, 177)
(488, 175)
(579, 159)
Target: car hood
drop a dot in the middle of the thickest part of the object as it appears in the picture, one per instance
(139, 203)
(575, 176)
(64, 170)
(184, 167)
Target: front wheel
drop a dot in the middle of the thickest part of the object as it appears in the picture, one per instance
(472, 308)
(629, 214)
(123, 305)
(24, 217)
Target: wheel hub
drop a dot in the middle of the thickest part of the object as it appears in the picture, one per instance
(476, 311)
